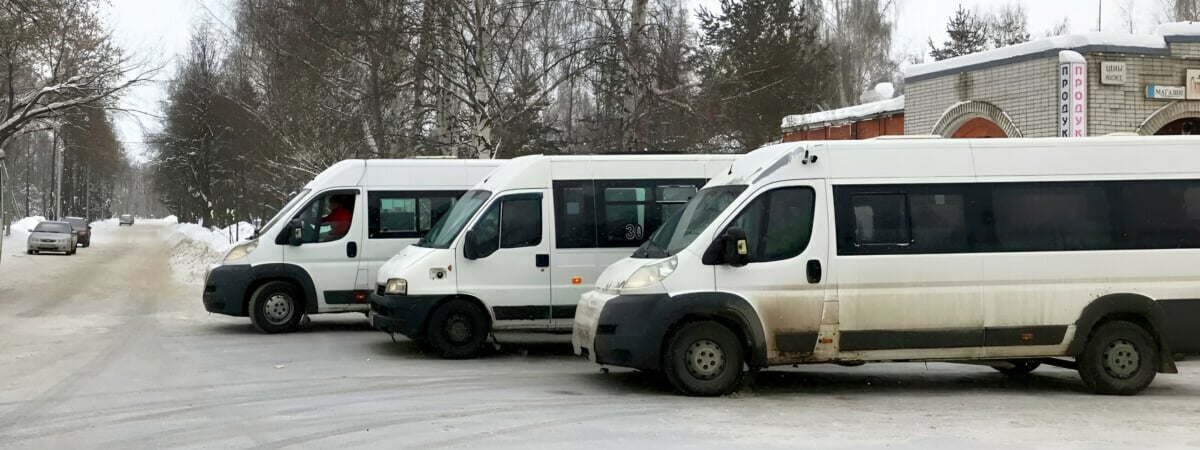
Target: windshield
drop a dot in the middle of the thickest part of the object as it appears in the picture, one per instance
(683, 227)
(77, 222)
(448, 227)
(53, 227)
(291, 203)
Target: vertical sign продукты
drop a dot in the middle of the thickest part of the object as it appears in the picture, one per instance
(1072, 94)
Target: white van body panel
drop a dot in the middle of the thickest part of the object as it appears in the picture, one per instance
(983, 292)
(327, 266)
(518, 295)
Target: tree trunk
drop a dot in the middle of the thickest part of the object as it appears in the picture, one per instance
(634, 91)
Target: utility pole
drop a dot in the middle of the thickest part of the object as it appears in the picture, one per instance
(1099, 14)
(3, 217)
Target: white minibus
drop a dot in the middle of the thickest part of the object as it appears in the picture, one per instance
(513, 256)
(1079, 253)
(320, 252)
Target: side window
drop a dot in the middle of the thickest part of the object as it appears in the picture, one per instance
(511, 222)
(881, 219)
(629, 211)
(939, 221)
(574, 214)
(521, 222)
(327, 218)
(778, 224)
(1160, 214)
(406, 214)
(1032, 217)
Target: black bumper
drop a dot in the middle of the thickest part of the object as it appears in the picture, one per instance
(225, 289)
(631, 331)
(404, 314)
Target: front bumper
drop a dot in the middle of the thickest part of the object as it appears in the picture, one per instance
(64, 246)
(404, 314)
(225, 289)
(621, 330)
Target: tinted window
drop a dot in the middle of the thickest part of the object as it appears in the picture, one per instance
(406, 214)
(881, 219)
(511, 222)
(778, 224)
(575, 214)
(1163, 214)
(629, 211)
(1051, 217)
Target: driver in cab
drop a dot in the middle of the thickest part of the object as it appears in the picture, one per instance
(339, 217)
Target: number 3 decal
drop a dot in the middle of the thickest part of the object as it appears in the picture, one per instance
(633, 231)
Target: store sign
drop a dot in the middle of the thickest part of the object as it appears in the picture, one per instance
(1072, 94)
(1112, 73)
(1193, 84)
(1156, 92)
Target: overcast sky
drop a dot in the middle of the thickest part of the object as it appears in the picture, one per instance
(158, 30)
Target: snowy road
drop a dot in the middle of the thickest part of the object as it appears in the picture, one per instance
(105, 349)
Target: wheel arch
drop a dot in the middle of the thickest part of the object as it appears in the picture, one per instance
(290, 273)
(728, 309)
(1136, 308)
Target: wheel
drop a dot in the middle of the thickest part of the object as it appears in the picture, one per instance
(28, 252)
(1020, 367)
(72, 251)
(704, 358)
(89, 244)
(276, 307)
(457, 329)
(1119, 358)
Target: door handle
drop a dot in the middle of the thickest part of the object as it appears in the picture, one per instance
(542, 260)
(351, 249)
(814, 271)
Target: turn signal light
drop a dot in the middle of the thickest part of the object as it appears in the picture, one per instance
(577, 280)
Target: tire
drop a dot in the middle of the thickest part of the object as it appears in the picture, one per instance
(86, 245)
(72, 251)
(457, 329)
(1020, 367)
(276, 307)
(1119, 358)
(28, 252)
(704, 359)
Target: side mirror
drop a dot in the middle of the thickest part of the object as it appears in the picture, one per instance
(735, 249)
(470, 245)
(89, 227)
(295, 231)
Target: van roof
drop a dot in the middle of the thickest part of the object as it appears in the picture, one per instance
(949, 160)
(538, 171)
(426, 173)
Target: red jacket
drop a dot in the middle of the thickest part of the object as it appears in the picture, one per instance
(338, 221)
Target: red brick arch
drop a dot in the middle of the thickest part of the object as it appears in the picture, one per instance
(979, 128)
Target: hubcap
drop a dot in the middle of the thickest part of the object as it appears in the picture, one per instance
(705, 359)
(458, 328)
(1121, 359)
(278, 308)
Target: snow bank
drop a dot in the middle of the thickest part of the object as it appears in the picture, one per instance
(14, 244)
(848, 113)
(194, 248)
(1067, 42)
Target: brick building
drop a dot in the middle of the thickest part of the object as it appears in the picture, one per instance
(885, 117)
(1098, 83)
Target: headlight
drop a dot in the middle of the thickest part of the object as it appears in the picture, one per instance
(396, 286)
(651, 273)
(241, 251)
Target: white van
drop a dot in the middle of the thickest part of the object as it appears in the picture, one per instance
(320, 252)
(1005, 252)
(538, 232)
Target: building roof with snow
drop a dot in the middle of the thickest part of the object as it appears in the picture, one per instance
(848, 114)
(1095, 42)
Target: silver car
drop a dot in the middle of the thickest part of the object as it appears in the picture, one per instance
(125, 219)
(51, 236)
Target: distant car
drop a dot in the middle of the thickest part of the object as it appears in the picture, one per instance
(51, 236)
(83, 231)
(126, 219)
